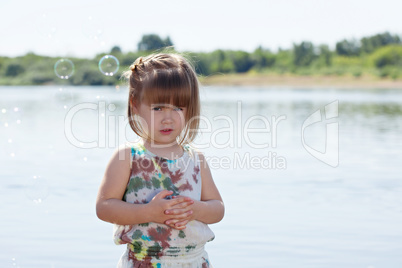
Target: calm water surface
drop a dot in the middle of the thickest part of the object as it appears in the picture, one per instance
(284, 208)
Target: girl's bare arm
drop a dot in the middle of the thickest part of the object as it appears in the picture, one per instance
(111, 208)
(209, 210)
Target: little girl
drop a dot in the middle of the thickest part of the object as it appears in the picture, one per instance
(159, 192)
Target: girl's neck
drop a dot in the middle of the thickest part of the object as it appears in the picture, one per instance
(169, 151)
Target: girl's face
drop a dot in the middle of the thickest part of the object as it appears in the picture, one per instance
(162, 123)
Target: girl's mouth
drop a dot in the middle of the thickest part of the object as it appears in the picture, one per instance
(166, 131)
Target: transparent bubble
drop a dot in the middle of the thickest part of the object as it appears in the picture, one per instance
(92, 28)
(36, 189)
(64, 68)
(63, 98)
(109, 65)
(46, 27)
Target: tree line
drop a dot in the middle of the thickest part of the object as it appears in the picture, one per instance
(379, 55)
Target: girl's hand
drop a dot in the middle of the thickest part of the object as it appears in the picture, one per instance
(180, 214)
(162, 209)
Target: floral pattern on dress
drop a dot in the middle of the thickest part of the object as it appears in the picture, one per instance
(150, 174)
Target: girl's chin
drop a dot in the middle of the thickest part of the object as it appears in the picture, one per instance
(162, 142)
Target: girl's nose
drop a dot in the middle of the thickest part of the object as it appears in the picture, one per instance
(167, 117)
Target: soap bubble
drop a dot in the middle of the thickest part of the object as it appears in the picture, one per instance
(92, 28)
(109, 65)
(63, 98)
(64, 68)
(36, 189)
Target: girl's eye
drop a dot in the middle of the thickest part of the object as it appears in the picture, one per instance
(178, 109)
(156, 108)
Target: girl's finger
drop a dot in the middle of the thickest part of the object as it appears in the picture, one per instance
(181, 223)
(171, 222)
(178, 213)
(180, 199)
(177, 224)
(163, 194)
(182, 204)
(179, 228)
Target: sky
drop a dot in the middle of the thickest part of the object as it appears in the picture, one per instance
(78, 28)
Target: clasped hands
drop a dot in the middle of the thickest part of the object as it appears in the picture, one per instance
(175, 212)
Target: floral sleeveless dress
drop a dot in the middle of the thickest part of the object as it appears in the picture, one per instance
(158, 245)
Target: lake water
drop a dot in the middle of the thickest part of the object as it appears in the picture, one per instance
(285, 207)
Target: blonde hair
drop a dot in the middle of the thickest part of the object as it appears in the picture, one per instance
(164, 78)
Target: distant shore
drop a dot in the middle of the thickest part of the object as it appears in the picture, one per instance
(297, 81)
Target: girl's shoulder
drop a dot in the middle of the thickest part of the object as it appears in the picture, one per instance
(119, 165)
(123, 153)
(135, 148)
(193, 152)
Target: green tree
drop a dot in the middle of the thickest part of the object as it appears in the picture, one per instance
(92, 77)
(303, 54)
(14, 69)
(153, 42)
(262, 58)
(115, 50)
(348, 48)
(168, 42)
(371, 43)
(325, 55)
(202, 63)
(390, 55)
(241, 60)
(128, 58)
(284, 60)
(221, 62)
(1, 63)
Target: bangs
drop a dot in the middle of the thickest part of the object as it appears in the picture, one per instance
(167, 86)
